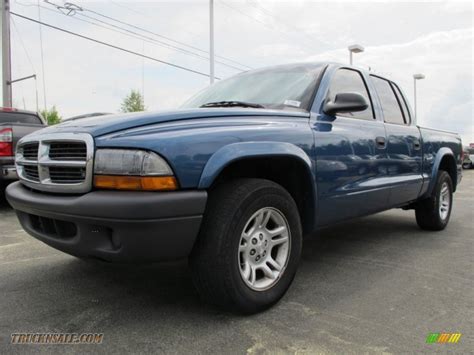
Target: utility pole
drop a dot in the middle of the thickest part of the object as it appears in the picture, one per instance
(211, 40)
(42, 54)
(6, 55)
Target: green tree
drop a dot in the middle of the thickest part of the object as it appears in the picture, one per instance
(133, 102)
(51, 116)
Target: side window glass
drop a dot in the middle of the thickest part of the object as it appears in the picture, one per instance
(347, 80)
(391, 109)
(403, 104)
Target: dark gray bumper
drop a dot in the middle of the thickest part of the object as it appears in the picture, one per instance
(117, 226)
(7, 169)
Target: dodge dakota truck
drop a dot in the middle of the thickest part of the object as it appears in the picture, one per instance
(234, 178)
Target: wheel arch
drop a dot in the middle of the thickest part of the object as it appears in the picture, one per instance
(280, 162)
(446, 161)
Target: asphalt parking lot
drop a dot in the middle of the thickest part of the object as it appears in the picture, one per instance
(374, 285)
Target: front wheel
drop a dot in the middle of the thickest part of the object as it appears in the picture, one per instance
(433, 213)
(249, 246)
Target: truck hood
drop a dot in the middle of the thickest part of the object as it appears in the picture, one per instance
(101, 125)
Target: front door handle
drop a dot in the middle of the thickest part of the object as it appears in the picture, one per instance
(380, 141)
(416, 144)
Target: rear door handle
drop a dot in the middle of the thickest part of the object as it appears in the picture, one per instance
(380, 141)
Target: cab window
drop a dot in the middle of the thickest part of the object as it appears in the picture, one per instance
(348, 80)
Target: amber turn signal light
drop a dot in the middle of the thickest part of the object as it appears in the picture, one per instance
(139, 183)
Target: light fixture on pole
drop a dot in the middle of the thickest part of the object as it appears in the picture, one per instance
(415, 78)
(355, 48)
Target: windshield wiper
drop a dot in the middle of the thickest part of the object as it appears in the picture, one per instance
(232, 104)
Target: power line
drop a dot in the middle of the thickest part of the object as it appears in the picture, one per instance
(133, 34)
(171, 39)
(77, 9)
(141, 13)
(112, 45)
(247, 15)
(128, 8)
(185, 51)
(268, 13)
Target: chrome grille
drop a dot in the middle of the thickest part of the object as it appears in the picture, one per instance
(31, 172)
(65, 175)
(63, 162)
(68, 151)
(30, 151)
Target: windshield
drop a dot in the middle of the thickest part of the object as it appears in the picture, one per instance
(284, 87)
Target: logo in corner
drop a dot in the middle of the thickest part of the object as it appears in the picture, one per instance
(442, 338)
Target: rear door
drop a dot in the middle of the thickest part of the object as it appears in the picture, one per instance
(404, 157)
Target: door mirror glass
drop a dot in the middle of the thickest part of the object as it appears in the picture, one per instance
(346, 102)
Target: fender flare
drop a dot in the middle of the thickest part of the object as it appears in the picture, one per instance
(237, 151)
(440, 155)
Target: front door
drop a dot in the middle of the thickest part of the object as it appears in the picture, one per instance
(350, 151)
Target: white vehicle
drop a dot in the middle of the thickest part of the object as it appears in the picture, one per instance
(468, 160)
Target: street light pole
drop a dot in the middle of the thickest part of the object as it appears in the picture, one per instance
(211, 40)
(355, 48)
(415, 78)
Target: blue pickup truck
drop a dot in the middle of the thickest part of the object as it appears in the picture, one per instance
(236, 177)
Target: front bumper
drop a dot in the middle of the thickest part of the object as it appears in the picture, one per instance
(116, 226)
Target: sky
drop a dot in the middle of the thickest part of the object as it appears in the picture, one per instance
(400, 39)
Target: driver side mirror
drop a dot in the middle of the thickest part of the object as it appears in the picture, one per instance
(346, 102)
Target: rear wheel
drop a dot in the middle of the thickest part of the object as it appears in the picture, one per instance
(249, 246)
(433, 213)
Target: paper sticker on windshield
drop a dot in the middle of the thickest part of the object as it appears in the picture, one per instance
(293, 103)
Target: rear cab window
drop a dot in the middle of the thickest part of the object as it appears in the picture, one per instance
(19, 117)
(349, 80)
(390, 101)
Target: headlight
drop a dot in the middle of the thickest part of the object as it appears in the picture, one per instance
(130, 169)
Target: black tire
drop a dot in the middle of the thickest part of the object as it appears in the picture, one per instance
(427, 211)
(215, 260)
